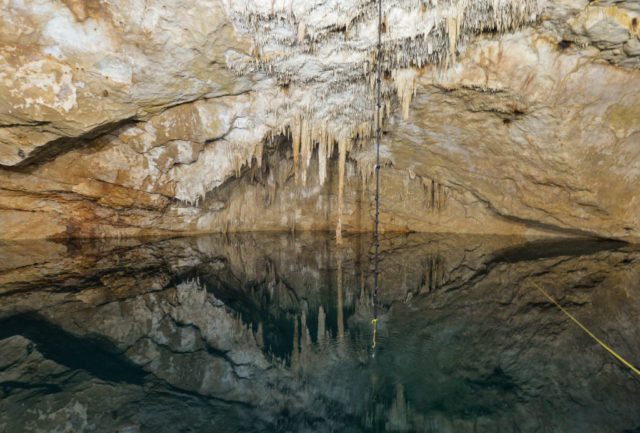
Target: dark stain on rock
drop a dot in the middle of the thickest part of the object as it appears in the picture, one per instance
(105, 93)
(564, 45)
(514, 114)
(634, 23)
(285, 85)
(62, 145)
(20, 153)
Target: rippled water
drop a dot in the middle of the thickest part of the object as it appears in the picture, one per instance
(273, 333)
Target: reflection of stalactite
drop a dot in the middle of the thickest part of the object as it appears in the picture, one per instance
(296, 346)
(322, 317)
(434, 277)
(305, 341)
(363, 301)
(305, 336)
(340, 305)
(399, 412)
(436, 194)
(259, 336)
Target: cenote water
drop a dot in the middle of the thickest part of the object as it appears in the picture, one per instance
(273, 333)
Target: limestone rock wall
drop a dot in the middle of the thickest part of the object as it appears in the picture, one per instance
(160, 117)
(538, 134)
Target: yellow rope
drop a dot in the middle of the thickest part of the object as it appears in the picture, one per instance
(375, 322)
(610, 350)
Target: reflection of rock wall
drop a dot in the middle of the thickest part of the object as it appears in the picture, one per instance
(503, 343)
(193, 325)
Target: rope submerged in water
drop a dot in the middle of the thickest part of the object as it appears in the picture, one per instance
(584, 328)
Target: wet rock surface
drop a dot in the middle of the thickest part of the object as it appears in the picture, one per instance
(272, 333)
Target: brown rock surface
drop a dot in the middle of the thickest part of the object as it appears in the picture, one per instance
(78, 68)
(537, 134)
(122, 120)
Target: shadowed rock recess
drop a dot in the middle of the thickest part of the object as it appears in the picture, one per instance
(272, 333)
(149, 117)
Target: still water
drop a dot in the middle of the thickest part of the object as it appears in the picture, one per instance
(273, 333)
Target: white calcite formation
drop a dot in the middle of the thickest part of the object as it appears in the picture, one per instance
(325, 54)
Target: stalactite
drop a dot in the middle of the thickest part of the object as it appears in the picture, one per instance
(305, 149)
(404, 80)
(454, 21)
(329, 65)
(342, 160)
(271, 188)
(322, 162)
(295, 142)
(258, 152)
(435, 193)
(323, 154)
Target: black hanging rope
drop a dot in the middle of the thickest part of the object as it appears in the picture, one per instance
(378, 134)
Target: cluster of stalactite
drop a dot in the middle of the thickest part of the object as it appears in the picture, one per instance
(323, 54)
(436, 194)
(434, 273)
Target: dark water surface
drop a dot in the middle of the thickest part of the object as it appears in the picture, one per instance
(273, 333)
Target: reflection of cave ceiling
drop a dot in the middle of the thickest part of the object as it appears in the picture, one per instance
(232, 331)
